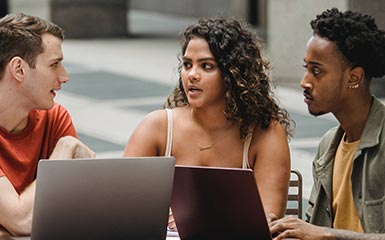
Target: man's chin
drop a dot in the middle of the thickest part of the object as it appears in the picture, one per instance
(316, 114)
(46, 106)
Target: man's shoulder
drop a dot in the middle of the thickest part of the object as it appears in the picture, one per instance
(329, 135)
(328, 139)
(378, 106)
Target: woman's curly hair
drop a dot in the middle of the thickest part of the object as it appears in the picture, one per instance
(357, 38)
(237, 51)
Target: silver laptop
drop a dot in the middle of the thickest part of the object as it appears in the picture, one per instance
(120, 198)
(217, 203)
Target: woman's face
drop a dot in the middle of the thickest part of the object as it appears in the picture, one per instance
(201, 77)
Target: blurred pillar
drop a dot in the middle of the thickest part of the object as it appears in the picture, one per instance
(91, 18)
(288, 27)
(3, 8)
(376, 9)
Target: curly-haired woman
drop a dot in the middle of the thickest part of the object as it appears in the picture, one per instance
(223, 111)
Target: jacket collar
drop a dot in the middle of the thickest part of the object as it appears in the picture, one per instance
(370, 137)
(374, 124)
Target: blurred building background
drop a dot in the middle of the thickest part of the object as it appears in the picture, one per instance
(282, 24)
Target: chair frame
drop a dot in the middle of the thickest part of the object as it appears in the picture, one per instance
(295, 183)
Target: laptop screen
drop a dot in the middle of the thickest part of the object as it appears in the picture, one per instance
(217, 203)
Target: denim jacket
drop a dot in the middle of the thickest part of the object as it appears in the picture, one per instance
(368, 175)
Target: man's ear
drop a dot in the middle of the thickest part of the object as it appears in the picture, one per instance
(16, 68)
(357, 77)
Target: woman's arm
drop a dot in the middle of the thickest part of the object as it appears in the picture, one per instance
(149, 137)
(272, 168)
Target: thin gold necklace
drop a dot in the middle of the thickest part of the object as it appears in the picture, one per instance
(207, 146)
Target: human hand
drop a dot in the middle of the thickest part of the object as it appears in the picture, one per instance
(70, 147)
(271, 217)
(294, 228)
(4, 232)
(171, 222)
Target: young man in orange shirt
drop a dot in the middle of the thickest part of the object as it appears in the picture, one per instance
(32, 125)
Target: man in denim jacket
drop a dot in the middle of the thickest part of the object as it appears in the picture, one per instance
(347, 201)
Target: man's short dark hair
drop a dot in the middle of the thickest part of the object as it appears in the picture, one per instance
(357, 38)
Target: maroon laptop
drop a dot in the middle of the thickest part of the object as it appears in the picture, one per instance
(217, 203)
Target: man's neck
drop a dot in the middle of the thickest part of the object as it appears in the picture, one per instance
(13, 116)
(353, 118)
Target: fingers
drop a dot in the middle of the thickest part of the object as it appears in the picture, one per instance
(63, 148)
(286, 235)
(4, 232)
(82, 151)
(172, 226)
(271, 217)
(171, 222)
(277, 227)
(293, 228)
(69, 147)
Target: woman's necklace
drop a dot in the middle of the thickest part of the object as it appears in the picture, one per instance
(206, 146)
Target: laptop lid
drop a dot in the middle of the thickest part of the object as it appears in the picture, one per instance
(121, 198)
(217, 203)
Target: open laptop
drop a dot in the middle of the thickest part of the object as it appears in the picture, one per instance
(217, 203)
(120, 198)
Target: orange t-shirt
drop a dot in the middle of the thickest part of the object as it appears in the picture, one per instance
(345, 212)
(20, 152)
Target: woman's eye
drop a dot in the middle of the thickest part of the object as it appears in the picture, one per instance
(186, 64)
(208, 66)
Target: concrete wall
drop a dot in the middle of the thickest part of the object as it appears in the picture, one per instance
(376, 8)
(288, 29)
(79, 18)
(33, 7)
(197, 8)
(90, 18)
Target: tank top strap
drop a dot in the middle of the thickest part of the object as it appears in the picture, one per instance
(169, 133)
(246, 147)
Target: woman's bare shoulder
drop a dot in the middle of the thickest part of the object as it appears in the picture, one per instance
(148, 137)
(155, 121)
(155, 117)
(273, 131)
(269, 140)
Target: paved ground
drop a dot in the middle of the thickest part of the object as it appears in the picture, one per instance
(116, 82)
